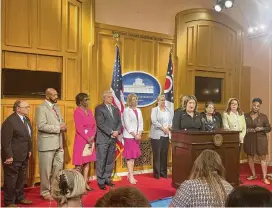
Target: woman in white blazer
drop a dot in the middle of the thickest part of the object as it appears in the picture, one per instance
(233, 119)
(161, 125)
(133, 128)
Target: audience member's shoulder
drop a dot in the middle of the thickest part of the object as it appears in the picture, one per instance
(227, 186)
(191, 182)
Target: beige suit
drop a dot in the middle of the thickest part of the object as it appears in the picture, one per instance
(233, 122)
(50, 144)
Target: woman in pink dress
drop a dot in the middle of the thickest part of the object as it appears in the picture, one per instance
(133, 129)
(84, 151)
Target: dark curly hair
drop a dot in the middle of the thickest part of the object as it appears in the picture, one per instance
(259, 100)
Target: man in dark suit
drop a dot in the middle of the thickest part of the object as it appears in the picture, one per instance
(16, 144)
(109, 126)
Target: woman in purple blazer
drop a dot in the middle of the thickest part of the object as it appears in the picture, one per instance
(84, 151)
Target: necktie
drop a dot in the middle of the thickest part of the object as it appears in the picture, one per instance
(26, 125)
(53, 107)
(110, 109)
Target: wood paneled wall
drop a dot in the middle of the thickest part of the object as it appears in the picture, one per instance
(209, 44)
(49, 35)
(61, 36)
(139, 51)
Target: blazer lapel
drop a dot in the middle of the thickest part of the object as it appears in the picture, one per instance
(23, 125)
(111, 115)
(52, 111)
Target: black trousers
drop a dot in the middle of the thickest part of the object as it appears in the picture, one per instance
(105, 154)
(14, 180)
(160, 156)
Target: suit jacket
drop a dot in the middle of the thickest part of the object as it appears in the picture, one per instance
(229, 121)
(157, 122)
(48, 124)
(131, 123)
(15, 139)
(182, 121)
(106, 123)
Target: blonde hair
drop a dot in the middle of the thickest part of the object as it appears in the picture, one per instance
(129, 99)
(208, 166)
(182, 99)
(160, 97)
(228, 109)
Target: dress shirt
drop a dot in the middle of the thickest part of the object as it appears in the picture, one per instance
(22, 118)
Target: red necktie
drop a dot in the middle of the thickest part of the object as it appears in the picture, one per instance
(53, 107)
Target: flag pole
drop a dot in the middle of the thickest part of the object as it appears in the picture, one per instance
(169, 169)
(115, 177)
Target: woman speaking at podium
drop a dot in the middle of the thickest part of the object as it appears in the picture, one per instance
(188, 118)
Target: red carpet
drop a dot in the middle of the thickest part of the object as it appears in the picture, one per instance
(154, 189)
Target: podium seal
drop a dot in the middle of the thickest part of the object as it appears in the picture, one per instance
(218, 140)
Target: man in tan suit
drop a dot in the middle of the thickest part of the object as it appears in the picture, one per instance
(50, 144)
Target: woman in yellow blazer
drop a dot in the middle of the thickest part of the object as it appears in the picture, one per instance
(233, 118)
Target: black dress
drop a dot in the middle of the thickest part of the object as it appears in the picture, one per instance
(211, 125)
(183, 121)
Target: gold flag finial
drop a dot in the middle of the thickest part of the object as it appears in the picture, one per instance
(116, 36)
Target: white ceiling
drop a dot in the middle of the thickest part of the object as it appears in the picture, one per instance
(159, 15)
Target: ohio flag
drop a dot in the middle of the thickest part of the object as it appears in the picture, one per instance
(118, 97)
(169, 87)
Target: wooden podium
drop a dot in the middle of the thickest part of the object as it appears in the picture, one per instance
(187, 146)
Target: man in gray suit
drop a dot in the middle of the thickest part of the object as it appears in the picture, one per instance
(50, 144)
(109, 126)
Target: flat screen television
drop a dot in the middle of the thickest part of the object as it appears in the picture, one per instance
(29, 84)
(208, 89)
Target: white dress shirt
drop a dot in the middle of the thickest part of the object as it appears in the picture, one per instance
(22, 118)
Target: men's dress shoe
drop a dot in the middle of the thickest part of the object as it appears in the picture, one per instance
(157, 177)
(25, 201)
(12, 205)
(48, 197)
(102, 187)
(110, 184)
(164, 176)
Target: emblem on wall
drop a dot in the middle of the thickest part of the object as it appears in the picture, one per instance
(144, 85)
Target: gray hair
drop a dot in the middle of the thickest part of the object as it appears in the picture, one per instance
(106, 92)
(16, 105)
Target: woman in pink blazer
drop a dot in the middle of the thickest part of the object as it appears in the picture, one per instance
(84, 151)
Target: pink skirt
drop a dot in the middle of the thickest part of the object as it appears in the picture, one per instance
(131, 149)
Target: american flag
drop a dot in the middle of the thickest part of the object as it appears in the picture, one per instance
(118, 96)
(169, 86)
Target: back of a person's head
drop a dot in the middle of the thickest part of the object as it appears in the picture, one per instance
(68, 184)
(249, 196)
(206, 164)
(123, 197)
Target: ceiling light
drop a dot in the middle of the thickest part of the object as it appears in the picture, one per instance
(217, 8)
(262, 27)
(228, 4)
(250, 30)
